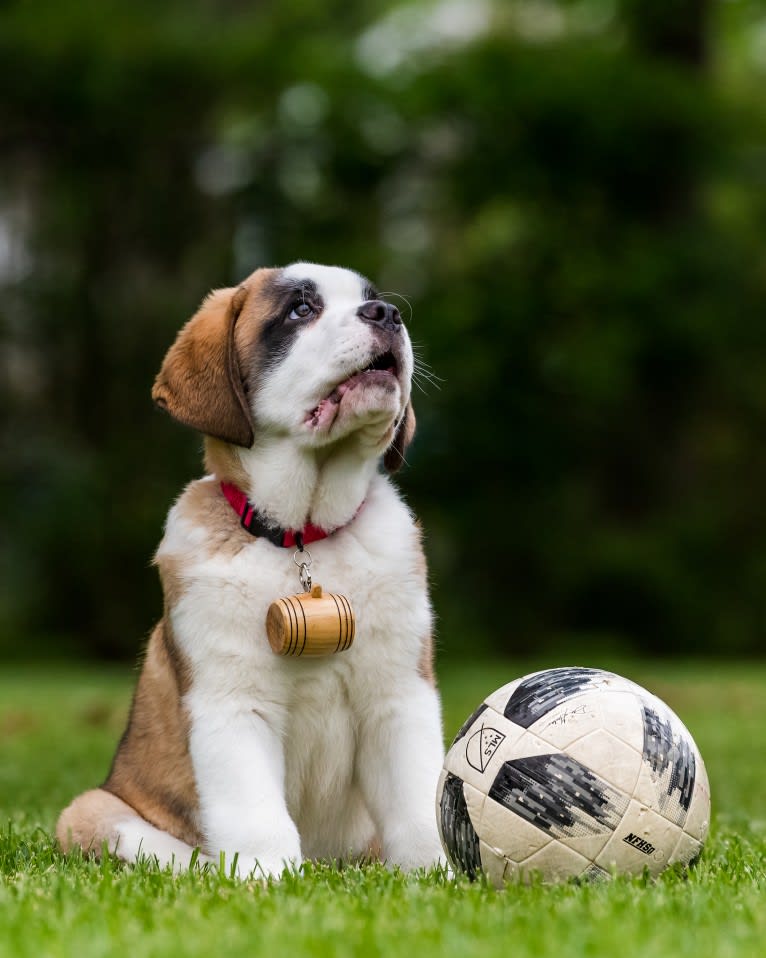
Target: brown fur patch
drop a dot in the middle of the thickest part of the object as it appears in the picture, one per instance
(421, 566)
(208, 373)
(152, 770)
(222, 461)
(205, 506)
(178, 661)
(394, 458)
(257, 308)
(174, 586)
(426, 661)
(200, 382)
(91, 820)
(427, 649)
(374, 851)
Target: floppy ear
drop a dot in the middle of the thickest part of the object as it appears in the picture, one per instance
(200, 382)
(394, 457)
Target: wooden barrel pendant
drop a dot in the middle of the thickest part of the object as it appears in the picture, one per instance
(311, 623)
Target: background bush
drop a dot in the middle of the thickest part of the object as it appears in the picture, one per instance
(569, 194)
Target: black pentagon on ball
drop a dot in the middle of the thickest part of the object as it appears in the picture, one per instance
(558, 795)
(670, 756)
(460, 839)
(541, 693)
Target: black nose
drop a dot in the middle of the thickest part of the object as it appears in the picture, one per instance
(380, 313)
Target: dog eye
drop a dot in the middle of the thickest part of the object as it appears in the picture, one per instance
(301, 311)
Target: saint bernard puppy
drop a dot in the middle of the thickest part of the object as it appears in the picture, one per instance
(300, 381)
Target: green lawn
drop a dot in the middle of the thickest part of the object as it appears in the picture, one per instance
(58, 728)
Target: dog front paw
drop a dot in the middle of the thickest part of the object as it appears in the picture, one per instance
(413, 849)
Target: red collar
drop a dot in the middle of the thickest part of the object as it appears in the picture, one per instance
(257, 524)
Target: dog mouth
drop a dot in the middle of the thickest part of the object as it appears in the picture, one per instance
(382, 370)
(385, 363)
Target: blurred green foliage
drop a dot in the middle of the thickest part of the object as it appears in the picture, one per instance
(569, 194)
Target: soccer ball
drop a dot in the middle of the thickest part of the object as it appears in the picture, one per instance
(569, 773)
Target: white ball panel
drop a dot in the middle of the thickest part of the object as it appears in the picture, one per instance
(621, 714)
(569, 721)
(647, 788)
(643, 839)
(509, 833)
(613, 760)
(477, 756)
(653, 789)
(589, 846)
(527, 744)
(555, 862)
(474, 802)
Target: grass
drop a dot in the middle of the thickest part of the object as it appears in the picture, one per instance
(58, 728)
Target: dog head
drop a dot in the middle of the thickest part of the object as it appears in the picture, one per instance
(307, 351)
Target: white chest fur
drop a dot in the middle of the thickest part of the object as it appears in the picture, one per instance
(318, 710)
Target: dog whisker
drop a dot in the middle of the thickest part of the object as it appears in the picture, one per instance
(423, 372)
(421, 366)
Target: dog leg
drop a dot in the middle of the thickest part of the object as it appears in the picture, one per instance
(97, 817)
(240, 772)
(401, 754)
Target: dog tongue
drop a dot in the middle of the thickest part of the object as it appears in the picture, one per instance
(327, 408)
(337, 394)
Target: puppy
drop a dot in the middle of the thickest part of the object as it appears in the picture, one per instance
(300, 381)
